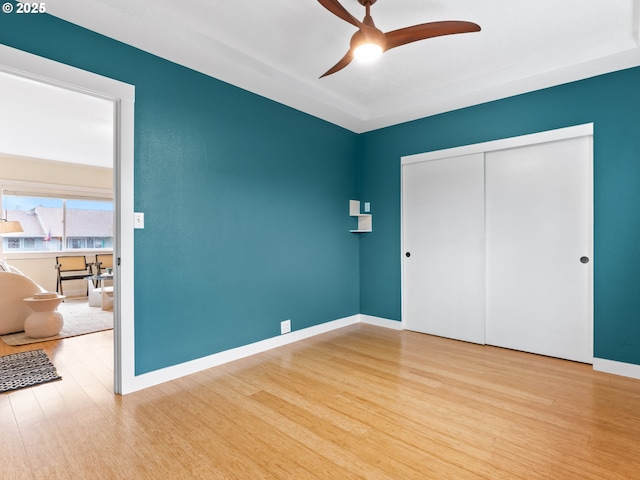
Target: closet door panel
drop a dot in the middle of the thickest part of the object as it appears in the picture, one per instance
(539, 227)
(443, 232)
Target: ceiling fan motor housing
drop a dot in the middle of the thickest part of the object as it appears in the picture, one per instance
(366, 36)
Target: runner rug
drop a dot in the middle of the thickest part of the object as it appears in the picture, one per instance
(25, 369)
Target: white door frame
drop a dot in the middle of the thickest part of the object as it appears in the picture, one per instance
(26, 65)
(503, 143)
(512, 142)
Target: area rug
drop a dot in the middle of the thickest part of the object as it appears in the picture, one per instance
(25, 369)
(79, 319)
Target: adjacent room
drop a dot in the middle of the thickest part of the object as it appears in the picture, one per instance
(421, 267)
(59, 193)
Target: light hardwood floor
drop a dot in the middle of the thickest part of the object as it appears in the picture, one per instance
(360, 402)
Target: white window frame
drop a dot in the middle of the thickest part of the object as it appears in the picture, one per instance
(13, 187)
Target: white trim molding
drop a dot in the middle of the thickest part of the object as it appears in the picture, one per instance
(156, 377)
(630, 370)
(381, 322)
(162, 375)
(122, 95)
(167, 374)
(502, 144)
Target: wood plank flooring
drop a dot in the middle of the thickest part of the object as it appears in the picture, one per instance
(361, 402)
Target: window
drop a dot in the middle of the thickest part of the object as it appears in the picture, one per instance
(57, 223)
(14, 243)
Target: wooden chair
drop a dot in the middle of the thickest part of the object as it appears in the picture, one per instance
(72, 268)
(103, 261)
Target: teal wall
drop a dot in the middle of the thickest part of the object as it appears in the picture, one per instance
(612, 103)
(245, 202)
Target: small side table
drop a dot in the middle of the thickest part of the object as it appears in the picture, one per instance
(44, 321)
(106, 291)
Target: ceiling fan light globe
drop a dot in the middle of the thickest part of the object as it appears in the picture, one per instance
(368, 52)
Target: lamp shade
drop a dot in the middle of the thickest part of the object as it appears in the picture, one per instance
(368, 44)
(368, 52)
(10, 227)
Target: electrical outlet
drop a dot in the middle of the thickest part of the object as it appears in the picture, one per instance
(285, 327)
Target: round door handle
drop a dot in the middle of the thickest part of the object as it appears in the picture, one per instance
(408, 254)
(584, 259)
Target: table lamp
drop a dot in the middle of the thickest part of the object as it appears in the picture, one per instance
(7, 226)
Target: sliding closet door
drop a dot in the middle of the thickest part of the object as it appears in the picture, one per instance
(443, 242)
(539, 249)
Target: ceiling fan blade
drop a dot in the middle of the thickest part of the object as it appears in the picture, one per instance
(344, 61)
(396, 38)
(334, 7)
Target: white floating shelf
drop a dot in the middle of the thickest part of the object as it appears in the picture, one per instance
(364, 219)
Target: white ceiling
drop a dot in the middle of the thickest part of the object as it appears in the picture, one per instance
(51, 123)
(279, 48)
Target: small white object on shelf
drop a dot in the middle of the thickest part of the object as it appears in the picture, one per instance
(364, 219)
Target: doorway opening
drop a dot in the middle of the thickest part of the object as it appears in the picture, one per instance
(120, 99)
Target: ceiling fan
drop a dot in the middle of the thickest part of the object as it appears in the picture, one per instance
(369, 41)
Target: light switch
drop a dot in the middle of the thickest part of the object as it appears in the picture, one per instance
(138, 220)
(367, 207)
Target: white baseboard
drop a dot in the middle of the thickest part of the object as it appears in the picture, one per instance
(617, 368)
(381, 322)
(157, 377)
